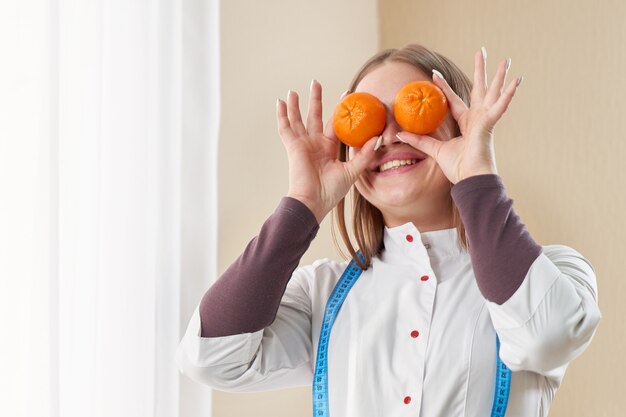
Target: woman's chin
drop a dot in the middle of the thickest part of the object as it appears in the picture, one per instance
(402, 193)
(397, 201)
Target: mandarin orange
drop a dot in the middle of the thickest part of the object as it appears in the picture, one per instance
(358, 118)
(420, 107)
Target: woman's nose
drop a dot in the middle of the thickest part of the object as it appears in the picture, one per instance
(389, 132)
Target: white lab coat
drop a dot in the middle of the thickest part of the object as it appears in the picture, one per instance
(403, 345)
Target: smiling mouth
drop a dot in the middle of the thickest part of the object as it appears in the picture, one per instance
(396, 164)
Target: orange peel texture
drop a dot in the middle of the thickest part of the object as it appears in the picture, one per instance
(358, 118)
(420, 107)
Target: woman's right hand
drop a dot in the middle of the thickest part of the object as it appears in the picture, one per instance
(317, 177)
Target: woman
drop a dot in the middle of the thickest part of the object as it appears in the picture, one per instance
(447, 267)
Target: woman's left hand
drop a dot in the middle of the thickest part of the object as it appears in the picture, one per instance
(472, 153)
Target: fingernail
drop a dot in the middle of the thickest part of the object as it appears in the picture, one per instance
(288, 92)
(313, 81)
(399, 138)
(508, 64)
(277, 102)
(519, 81)
(484, 51)
(378, 142)
(438, 74)
(344, 93)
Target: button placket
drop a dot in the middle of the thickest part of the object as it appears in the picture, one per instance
(418, 251)
(420, 335)
(412, 243)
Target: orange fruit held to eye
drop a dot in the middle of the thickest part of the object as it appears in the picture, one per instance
(420, 107)
(358, 118)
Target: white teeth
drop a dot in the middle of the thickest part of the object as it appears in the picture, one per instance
(397, 163)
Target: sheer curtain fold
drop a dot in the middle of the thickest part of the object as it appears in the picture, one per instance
(113, 202)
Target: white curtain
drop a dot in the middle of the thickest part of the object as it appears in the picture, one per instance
(108, 143)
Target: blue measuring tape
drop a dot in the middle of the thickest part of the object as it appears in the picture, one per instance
(320, 377)
(503, 385)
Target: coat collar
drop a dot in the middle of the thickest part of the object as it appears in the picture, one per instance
(406, 244)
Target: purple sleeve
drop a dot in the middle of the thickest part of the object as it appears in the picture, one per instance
(246, 297)
(500, 247)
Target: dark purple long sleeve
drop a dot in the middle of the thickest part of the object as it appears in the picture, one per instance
(246, 297)
(501, 248)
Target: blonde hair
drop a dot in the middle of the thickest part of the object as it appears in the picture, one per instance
(367, 220)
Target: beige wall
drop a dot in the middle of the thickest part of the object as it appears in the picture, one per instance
(559, 146)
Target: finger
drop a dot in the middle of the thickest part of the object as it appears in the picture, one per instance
(329, 130)
(480, 77)
(495, 90)
(497, 110)
(457, 105)
(293, 112)
(427, 144)
(284, 127)
(362, 159)
(314, 122)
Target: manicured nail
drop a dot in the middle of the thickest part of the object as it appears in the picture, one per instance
(399, 138)
(344, 94)
(438, 74)
(484, 51)
(519, 81)
(312, 82)
(378, 142)
(277, 102)
(508, 64)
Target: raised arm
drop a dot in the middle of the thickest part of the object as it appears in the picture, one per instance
(246, 297)
(542, 301)
(252, 329)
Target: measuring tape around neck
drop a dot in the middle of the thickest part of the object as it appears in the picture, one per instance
(320, 377)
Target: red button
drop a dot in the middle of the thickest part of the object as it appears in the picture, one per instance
(415, 333)
(409, 238)
(407, 400)
(424, 278)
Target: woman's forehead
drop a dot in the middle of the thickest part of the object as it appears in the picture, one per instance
(385, 80)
